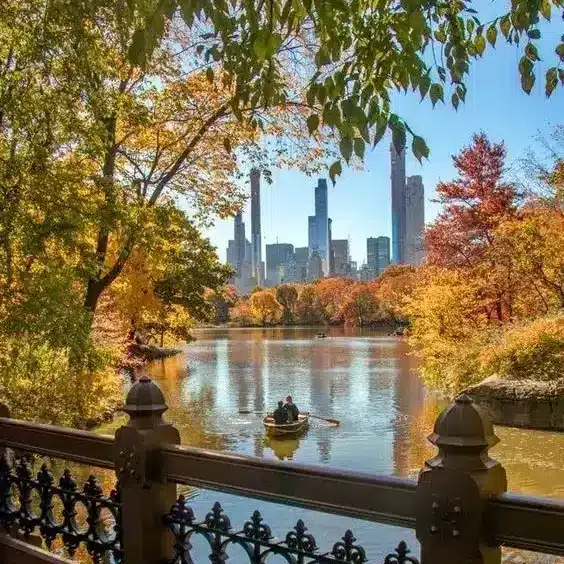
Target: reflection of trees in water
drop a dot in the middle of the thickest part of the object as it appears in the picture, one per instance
(324, 449)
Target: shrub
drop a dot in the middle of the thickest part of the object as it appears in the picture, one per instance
(40, 383)
(533, 350)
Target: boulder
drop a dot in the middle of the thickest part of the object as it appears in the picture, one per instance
(531, 404)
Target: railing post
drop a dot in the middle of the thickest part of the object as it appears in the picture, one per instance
(454, 486)
(146, 497)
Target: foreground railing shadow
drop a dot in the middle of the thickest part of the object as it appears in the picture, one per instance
(458, 507)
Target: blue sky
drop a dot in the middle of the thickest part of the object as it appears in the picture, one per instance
(359, 204)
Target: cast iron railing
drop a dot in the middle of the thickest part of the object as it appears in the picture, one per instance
(458, 506)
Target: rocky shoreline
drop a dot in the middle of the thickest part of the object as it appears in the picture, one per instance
(530, 404)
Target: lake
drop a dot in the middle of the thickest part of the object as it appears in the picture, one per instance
(365, 379)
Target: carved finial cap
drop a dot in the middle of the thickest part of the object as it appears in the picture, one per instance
(463, 424)
(144, 398)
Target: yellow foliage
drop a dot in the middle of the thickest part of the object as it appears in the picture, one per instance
(265, 307)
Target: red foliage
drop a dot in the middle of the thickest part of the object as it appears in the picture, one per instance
(474, 205)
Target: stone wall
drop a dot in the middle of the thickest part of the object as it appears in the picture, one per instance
(522, 403)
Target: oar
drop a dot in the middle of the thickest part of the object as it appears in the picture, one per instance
(328, 419)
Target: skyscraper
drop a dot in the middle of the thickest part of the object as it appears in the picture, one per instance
(331, 252)
(341, 257)
(415, 220)
(377, 255)
(312, 234)
(398, 205)
(277, 256)
(301, 257)
(322, 223)
(239, 238)
(256, 240)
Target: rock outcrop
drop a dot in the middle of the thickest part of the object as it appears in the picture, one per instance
(522, 403)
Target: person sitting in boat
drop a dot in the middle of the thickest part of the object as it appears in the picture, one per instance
(280, 415)
(292, 409)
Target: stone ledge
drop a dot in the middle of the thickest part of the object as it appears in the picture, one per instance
(531, 404)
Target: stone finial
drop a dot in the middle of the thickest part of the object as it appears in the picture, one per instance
(463, 424)
(145, 398)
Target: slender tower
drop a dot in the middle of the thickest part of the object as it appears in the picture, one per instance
(239, 238)
(398, 205)
(256, 241)
(322, 224)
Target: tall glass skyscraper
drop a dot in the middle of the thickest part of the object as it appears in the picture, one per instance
(398, 205)
(256, 240)
(321, 225)
(415, 220)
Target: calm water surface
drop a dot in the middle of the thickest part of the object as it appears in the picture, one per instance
(365, 379)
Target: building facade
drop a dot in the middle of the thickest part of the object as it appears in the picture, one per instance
(319, 227)
(301, 258)
(277, 256)
(415, 220)
(256, 238)
(341, 257)
(398, 205)
(377, 255)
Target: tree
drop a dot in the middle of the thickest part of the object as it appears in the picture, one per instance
(265, 308)
(221, 300)
(162, 289)
(355, 54)
(287, 296)
(474, 205)
(361, 306)
(394, 286)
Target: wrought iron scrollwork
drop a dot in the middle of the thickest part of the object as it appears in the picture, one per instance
(400, 556)
(36, 504)
(298, 547)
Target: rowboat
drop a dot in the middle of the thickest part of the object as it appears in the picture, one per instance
(288, 429)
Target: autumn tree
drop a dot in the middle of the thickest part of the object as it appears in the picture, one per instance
(287, 297)
(265, 308)
(393, 287)
(474, 205)
(361, 307)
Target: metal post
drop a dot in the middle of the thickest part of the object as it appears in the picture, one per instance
(146, 497)
(454, 486)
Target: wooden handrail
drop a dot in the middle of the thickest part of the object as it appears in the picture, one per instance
(58, 442)
(359, 495)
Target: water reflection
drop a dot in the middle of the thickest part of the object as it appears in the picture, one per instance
(283, 449)
(367, 380)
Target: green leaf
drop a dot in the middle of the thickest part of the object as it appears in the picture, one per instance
(551, 81)
(322, 57)
(335, 170)
(440, 36)
(310, 95)
(561, 76)
(227, 144)
(546, 9)
(312, 123)
(455, 100)
(480, 44)
(424, 85)
(560, 51)
(346, 148)
(137, 50)
(359, 147)
(527, 82)
(419, 148)
(505, 26)
(381, 125)
(436, 93)
(491, 35)
(398, 135)
(534, 34)
(531, 52)
(525, 66)
(209, 74)
(364, 132)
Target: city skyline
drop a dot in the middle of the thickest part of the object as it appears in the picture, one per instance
(360, 201)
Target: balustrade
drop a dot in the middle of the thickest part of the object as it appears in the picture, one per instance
(458, 507)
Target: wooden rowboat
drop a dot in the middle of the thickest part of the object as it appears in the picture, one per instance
(288, 429)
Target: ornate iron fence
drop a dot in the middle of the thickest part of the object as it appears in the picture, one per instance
(458, 506)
